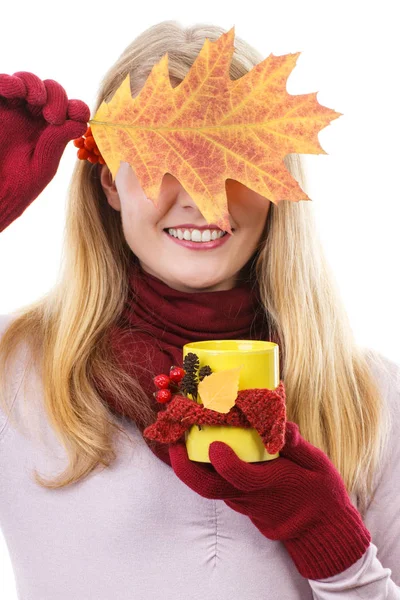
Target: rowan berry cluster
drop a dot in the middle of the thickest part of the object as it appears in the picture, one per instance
(88, 149)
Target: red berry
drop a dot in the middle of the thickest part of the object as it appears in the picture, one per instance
(176, 374)
(89, 143)
(162, 381)
(79, 142)
(163, 396)
(83, 153)
(93, 158)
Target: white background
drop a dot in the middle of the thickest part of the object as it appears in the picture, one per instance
(350, 54)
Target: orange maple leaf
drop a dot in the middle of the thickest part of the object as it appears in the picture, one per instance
(210, 128)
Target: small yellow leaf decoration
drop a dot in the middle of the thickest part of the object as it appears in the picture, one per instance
(219, 390)
(210, 128)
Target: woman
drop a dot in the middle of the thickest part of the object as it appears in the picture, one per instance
(128, 298)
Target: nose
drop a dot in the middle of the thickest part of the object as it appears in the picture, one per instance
(177, 198)
(184, 199)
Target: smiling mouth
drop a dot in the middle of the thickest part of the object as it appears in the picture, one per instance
(198, 241)
(166, 229)
(199, 245)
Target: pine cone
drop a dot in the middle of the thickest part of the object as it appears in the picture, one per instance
(189, 381)
(191, 362)
(204, 372)
(189, 385)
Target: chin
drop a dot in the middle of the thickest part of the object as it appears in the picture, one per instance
(197, 283)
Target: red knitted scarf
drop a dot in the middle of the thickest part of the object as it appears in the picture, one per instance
(158, 320)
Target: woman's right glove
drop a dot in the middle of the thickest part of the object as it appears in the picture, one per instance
(298, 498)
(36, 122)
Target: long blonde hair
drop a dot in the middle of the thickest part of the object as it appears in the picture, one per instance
(330, 389)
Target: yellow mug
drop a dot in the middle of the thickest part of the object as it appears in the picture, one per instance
(260, 369)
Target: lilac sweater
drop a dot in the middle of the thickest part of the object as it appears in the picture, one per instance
(136, 532)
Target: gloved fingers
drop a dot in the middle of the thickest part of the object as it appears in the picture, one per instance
(58, 108)
(13, 87)
(23, 89)
(246, 476)
(55, 110)
(200, 477)
(300, 451)
(27, 87)
(24, 85)
(52, 142)
(78, 111)
(240, 505)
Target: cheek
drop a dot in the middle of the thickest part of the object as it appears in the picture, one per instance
(140, 221)
(139, 211)
(253, 215)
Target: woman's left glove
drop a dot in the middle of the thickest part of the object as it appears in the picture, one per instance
(298, 498)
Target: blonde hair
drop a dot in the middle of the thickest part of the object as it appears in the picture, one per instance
(330, 389)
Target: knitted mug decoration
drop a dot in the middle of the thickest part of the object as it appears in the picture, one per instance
(259, 408)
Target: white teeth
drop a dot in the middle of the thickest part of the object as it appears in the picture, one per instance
(196, 235)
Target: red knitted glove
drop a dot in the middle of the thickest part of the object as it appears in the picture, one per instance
(298, 498)
(36, 122)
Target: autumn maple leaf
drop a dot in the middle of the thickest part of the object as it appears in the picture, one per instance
(210, 128)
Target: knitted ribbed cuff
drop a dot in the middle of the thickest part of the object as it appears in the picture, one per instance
(331, 546)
